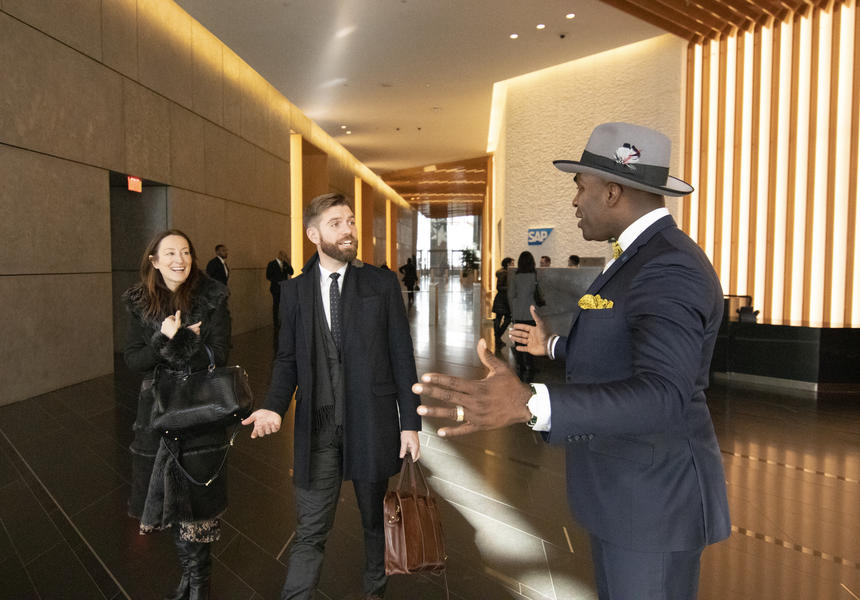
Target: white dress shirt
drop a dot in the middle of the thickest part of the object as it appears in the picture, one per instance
(325, 286)
(539, 404)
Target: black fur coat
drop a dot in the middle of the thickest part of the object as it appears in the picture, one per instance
(161, 495)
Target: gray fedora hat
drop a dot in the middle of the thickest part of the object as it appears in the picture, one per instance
(631, 155)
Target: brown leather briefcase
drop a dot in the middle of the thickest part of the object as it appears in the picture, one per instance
(413, 529)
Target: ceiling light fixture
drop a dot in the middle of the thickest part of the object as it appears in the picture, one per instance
(570, 16)
(343, 126)
(541, 26)
(514, 36)
(348, 132)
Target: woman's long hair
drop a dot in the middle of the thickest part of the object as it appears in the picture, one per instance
(526, 262)
(159, 301)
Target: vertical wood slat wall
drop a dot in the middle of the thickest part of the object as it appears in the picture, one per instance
(773, 149)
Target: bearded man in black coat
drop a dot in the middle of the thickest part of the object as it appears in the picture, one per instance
(345, 349)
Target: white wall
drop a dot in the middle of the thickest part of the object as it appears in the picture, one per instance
(549, 115)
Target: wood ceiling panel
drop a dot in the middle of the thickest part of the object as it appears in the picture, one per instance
(443, 190)
(695, 20)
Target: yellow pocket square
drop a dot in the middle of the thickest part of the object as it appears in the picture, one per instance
(589, 302)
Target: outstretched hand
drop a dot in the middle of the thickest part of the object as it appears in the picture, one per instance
(497, 400)
(265, 422)
(532, 337)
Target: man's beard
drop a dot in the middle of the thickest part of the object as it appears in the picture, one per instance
(333, 251)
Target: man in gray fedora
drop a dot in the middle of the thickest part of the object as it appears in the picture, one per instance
(644, 473)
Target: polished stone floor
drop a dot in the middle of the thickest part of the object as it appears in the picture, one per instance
(792, 466)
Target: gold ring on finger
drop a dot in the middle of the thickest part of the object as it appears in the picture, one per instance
(461, 414)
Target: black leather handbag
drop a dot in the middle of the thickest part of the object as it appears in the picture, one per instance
(194, 400)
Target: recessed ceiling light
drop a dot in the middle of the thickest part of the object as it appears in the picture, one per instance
(541, 26)
(343, 126)
(514, 36)
(570, 16)
(348, 132)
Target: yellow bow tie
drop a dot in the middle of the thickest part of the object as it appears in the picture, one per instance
(616, 250)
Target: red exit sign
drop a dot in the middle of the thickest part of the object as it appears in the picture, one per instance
(135, 184)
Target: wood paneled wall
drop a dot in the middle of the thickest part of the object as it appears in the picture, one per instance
(772, 119)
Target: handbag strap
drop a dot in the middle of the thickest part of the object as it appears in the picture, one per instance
(211, 367)
(408, 471)
(188, 475)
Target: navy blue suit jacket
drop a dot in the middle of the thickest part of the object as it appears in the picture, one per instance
(643, 466)
(379, 370)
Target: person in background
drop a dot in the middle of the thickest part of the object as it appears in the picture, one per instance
(345, 351)
(410, 278)
(645, 474)
(545, 262)
(501, 306)
(217, 267)
(573, 261)
(277, 271)
(177, 311)
(521, 296)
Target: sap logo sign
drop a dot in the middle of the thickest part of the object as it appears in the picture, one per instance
(539, 236)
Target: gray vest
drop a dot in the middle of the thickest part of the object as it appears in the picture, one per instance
(329, 390)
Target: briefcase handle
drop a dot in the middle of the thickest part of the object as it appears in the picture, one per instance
(408, 472)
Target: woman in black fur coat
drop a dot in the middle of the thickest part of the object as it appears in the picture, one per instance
(177, 310)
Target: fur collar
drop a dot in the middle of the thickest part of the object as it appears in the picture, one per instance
(207, 296)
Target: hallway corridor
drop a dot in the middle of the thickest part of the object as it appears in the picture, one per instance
(792, 465)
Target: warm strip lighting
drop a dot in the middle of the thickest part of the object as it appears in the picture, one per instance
(359, 214)
(297, 233)
(763, 160)
(389, 247)
(711, 192)
(745, 165)
(497, 115)
(724, 236)
(781, 150)
(822, 160)
(801, 151)
(695, 198)
(855, 295)
(842, 161)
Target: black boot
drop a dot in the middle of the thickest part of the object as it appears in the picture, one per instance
(201, 569)
(181, 591)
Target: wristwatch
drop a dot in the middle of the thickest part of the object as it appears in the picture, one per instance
(533, 421)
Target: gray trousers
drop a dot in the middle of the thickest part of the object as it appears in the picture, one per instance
(316, 507)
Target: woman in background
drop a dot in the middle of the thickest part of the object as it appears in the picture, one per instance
(501, 306)
(521, 295)
(177, 311)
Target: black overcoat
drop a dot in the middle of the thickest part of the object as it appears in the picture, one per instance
(379, 370)
(146, 347)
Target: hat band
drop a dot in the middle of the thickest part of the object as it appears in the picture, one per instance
(649, 174)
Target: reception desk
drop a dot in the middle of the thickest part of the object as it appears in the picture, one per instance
(806, 358)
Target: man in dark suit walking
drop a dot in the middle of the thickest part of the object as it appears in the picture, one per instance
(345, 344)
(217, 267)
(644, 472)
(277, 271)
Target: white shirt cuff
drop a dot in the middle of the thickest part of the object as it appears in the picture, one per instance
(540, 407)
